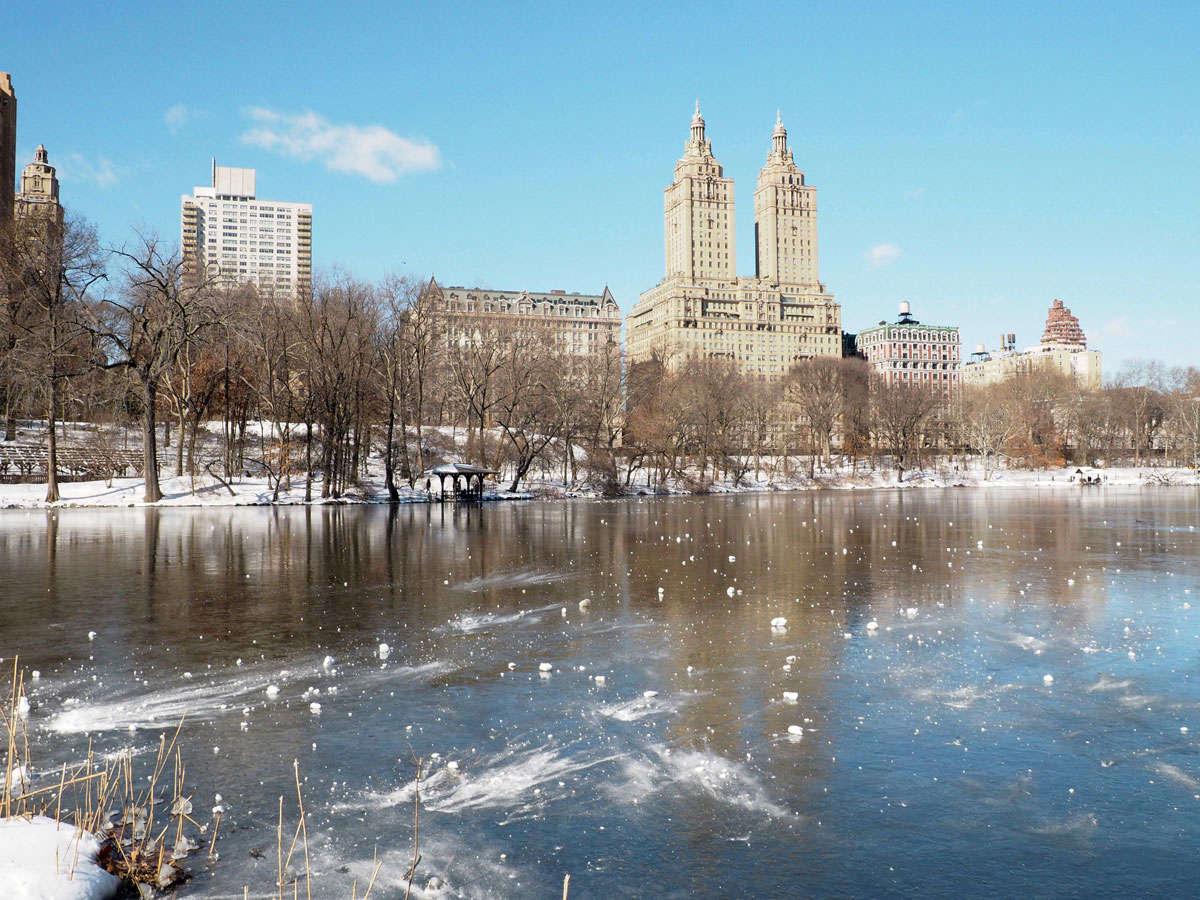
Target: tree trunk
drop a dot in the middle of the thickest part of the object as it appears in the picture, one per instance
(327, 461)
(308, 462)
(420, 444)
(179, 432)
(150, 442)
(389, 465)
(51, 448)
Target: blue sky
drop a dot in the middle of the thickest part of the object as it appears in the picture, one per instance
(977, 160)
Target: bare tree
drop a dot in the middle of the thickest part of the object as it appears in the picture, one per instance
(1138, 391)
(475, 353)
(336, 328)
(276, 380)
(990, 416)
(144, 326)
(816, 388)
(51, 272)
(211, 369)
(529, 394)
(900, 413)
(1183, 414)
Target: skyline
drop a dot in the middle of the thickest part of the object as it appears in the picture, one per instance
(978, 164)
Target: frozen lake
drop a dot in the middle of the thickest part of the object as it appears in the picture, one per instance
(975, 694)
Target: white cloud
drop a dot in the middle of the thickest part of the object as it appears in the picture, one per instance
(371, 150)
(1118, 328)
(883, 255)
(179, 116)
(99, 171)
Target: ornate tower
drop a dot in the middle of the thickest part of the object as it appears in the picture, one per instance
(699, 214)
(39, 215)
(1062, 328)
(39, 189)
(8, 150)
(785, 219)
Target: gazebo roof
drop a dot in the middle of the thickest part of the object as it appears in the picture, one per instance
(462, 469)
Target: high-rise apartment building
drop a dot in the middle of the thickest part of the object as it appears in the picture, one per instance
(231, 236)
(701, 309)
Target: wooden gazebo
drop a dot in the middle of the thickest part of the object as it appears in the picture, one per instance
(454, 471)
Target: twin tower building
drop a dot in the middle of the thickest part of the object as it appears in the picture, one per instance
(702, 309)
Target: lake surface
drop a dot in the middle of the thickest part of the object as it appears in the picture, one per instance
(976, 694)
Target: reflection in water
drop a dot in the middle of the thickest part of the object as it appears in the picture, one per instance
(898, 732)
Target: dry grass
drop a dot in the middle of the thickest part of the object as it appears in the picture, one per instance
(142, 831)
(146, 834)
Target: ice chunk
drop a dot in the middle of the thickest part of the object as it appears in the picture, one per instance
(384, 651)
(314, 708)
(791, 696)
(272, 691)
(872, 625)
(779, 622)
(1047, 680)
(18, 782)
(546, 667)
(796, 730)
(649, 694)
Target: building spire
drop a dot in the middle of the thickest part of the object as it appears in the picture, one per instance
(779, 136)
(698, 127)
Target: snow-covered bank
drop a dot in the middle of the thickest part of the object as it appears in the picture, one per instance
(41, 859)
(206, 491)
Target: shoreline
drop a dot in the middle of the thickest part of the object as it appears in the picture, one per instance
(204, 492)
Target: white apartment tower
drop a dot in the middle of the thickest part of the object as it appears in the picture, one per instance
(785, 218)
(699, 213)
(232, 236)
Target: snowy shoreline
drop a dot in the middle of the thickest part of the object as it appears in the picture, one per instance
(207, 492)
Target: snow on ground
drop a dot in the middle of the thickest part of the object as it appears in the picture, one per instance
(207, 491)
(41, 859)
